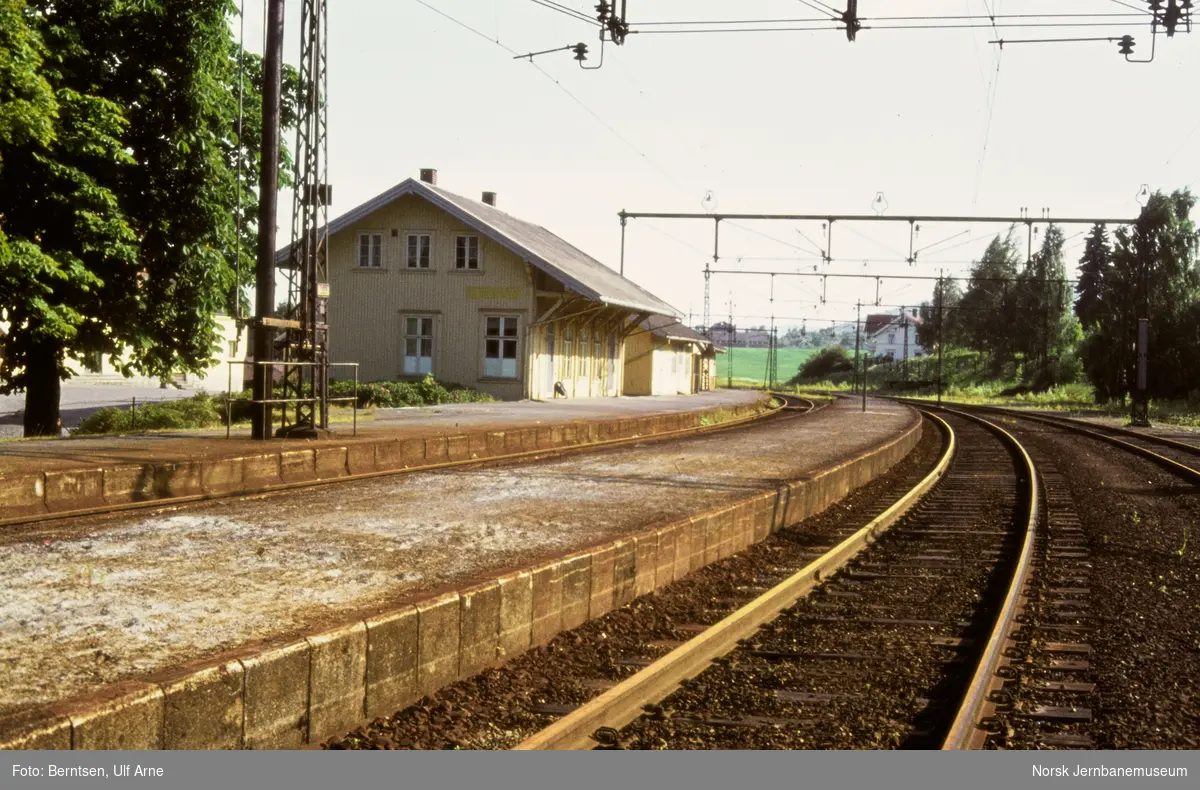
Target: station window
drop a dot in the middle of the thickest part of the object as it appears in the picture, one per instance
(500, 354)
(584, 367)
(419, 245)
(568, 349)
(418, 345)
(370, 250)
(466, 252)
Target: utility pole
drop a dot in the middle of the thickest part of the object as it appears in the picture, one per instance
(772, 349)
(1140, 416)
(732, 335)
(857, 324)
(268, 194)
(941, 338)
(866, 364)
(904, 328)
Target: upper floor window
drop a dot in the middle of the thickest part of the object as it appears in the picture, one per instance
(419, 246)
(370, 250)
(891, 337)
(466, 252)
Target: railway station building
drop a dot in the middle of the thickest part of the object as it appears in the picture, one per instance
(664, 357)
(423, 281)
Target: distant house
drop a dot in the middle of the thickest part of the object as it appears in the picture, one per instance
(664, 357)
(726, 337)
(424, 281)
(894, 335)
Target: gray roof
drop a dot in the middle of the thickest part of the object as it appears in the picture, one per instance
(532, 243)
(672, 329)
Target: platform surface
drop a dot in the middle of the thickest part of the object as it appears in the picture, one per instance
(40, 455)
(91, 601)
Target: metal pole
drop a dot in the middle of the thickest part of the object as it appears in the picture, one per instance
(264, 273)
(622, 215)
(904, 327)
(866, 363)
(940, 336)
(857, 324)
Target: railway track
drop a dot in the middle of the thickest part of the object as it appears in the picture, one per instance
(1179, 457)
(1046, 695)
(895, 640)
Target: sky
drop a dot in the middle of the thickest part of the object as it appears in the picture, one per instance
(940, 121)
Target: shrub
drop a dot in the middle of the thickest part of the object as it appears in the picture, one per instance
(199, 411)
(396, 394)
(825, 363)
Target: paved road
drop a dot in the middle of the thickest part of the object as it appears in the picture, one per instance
(81, 399)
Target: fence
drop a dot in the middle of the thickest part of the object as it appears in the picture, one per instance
(283, 402)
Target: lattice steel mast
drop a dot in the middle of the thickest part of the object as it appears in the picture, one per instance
(307, 346)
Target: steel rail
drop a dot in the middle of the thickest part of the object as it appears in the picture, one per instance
(623, 703)
(527, 455)
(969, 729)
(1084, 429)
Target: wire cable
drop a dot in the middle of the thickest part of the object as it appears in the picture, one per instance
(566, 11)
(564, 89)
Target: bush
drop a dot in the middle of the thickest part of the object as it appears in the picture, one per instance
(396, 394)
(199, 411)
(240, 408)
(825, 363)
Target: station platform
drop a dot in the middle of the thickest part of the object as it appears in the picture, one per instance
(48, 476)
(270, 622)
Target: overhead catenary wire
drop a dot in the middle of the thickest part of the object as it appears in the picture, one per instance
(567, 11)
(675, 182)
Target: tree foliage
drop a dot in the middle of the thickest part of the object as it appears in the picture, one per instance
(940, 316)
(826, 362)
(1150, 272)
(118, 141)
(987, 310)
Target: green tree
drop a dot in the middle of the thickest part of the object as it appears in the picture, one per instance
(987, 314)
(62, 224)
(128, 212)
(1153, 275)
(947, 296)
(1094, 266)
(826, 362)
(1047, 330)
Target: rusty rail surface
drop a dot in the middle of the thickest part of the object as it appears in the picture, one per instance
(969, 730)
(623, 703)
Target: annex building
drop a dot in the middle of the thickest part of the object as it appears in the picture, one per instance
(424, 281)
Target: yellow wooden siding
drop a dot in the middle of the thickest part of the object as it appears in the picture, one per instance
(639, 364)
(601, 378)
(367, 306)
(657, 366)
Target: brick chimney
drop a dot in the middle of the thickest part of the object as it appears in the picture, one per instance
(489, 198)
(429, 176)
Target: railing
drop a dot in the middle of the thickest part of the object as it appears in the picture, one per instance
(268, 402)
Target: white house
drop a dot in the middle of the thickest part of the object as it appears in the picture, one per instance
(894, 335)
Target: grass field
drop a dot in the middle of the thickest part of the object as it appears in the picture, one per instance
(750, 364)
